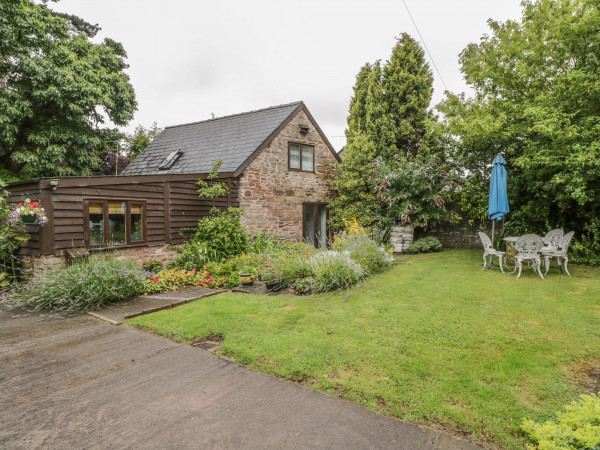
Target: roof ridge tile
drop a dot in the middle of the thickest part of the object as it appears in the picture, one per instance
(236, 115)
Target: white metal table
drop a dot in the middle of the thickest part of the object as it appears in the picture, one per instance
(509, 260)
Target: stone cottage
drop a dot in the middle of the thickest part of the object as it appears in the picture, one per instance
(277, 163)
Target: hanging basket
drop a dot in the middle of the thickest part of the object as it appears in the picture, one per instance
(29, 219)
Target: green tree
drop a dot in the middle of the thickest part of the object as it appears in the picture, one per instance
(408, 87)
(57, 89)
(388, 115)
(141, 138)
(537, 98)
(356, 197)
(358, 112)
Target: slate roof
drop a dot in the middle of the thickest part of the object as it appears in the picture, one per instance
(232, 139)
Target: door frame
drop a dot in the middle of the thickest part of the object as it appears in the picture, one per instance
(315, 205)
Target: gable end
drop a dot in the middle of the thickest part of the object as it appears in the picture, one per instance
(267, 141)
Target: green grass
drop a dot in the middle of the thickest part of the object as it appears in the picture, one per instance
(434, 340)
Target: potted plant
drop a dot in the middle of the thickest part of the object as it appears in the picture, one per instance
(247, 276)
(27, 212)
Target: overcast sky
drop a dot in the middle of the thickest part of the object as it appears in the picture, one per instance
(191, 58)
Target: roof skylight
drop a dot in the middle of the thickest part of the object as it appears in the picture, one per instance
(170, 160)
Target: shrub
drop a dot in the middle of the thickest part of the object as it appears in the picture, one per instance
(303, 286)
(293, 269)
(577, 427)
(334, 270)
(193, 255)
(413, 192)
(425, 245)
(223, 234)
(282, 265)
(585, 249)
(217, 237)
(262, 242)
(152, 265)
(173, 279)
(362, 248)
(225, 273)
(367, 253)
(83, 286)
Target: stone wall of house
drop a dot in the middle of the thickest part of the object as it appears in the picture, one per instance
(461, 235)
(37, 265)
(272, 196)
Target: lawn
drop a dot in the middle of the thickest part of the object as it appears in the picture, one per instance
(434, 340)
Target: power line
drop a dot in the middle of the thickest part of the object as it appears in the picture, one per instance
(425, 45)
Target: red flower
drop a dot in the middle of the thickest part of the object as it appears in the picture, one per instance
(34, 204)
(21, 204)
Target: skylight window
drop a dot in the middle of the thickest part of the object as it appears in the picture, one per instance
(170, 160)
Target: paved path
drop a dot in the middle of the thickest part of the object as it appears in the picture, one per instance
(117, 313)
(83, 383)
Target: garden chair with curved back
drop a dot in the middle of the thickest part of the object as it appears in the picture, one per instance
(528, 248)
(560, 252)
(552, 240)
(489, 250)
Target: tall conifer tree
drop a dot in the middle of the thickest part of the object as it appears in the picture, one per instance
(388, 115)
(408, 86)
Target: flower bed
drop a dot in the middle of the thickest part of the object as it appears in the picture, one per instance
(296, 266)
(173, 279)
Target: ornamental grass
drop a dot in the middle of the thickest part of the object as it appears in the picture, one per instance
(82, 286)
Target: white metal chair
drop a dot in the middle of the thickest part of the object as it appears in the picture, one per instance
(528, 248)
(488, 249)
(560, 252)
(552, 240)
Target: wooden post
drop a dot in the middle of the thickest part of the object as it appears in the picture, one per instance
(229, 184)
(167, 210)
(47, 231)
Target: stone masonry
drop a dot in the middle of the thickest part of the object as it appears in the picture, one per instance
(39, 264)
(272, 196)
(401, 238)
(461, 235)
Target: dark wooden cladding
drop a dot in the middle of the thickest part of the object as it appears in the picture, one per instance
(172, 204)
(187, 207)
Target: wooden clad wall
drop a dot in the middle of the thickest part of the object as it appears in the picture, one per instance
(172, 204)
(18, 194)
(69, 208)
(187, 208)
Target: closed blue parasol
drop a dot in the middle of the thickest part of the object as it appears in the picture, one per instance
(498, 201)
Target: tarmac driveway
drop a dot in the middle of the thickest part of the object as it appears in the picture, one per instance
(82, 383)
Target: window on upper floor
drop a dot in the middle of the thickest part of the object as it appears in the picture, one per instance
(301, 157)
(115, 222)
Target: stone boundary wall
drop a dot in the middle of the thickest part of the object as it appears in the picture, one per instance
(461, 235)
(37, 265)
